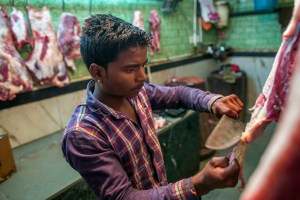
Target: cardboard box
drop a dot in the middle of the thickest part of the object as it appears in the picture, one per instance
(7, 163)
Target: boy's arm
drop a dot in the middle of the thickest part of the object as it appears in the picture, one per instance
(101, 168)
(162, 97)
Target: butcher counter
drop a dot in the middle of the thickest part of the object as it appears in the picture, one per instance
(43, 173)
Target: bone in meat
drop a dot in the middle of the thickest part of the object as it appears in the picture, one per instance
(138, 19)
(46, 60)
(277, 176)
(154, 24)
(19, 29)
(13, 75)
(68, 35)
(271, 101)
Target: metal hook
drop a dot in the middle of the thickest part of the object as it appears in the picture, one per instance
(63, 5)
(90, 8)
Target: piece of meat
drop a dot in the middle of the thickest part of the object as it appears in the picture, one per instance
(68, 35)
(154, 25)
(19, 29)
(138, 19)
(271, 101)
(46, 60)
(277, 176)
(13, 75)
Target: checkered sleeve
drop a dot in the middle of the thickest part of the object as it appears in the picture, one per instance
(184, 190)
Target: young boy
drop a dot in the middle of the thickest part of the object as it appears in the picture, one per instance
(111, 140)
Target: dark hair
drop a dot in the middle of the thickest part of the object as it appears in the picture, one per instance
(104, 36)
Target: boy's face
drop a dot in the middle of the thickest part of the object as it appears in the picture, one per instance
(126, 75)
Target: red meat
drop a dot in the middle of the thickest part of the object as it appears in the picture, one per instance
(68, 35)
(13, 75)
(46, 60)
(19, 29)
(271, 101)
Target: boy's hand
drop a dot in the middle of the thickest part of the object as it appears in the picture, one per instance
(217, 173)
(230, 105)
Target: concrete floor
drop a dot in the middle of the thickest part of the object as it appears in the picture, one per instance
(253, 154)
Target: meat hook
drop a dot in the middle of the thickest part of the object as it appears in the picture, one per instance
(90, 8)
(63, 5)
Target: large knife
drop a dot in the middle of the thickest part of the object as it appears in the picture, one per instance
(227, 132)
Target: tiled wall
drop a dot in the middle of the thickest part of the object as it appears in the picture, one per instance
(176, 28)
(252, 32)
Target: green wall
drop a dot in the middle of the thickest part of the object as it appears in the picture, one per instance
(253, 32)
(244, 33)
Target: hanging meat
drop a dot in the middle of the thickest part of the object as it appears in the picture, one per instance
(46, 60)
(68, 35)
(271, 101)
(138, 19)
(154, 25)
(19, 29)
(13, 75)
(277, 176)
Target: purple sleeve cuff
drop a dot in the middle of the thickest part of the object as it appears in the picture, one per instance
(184, 189)
(212, 101)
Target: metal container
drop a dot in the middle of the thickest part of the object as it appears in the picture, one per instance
(7, 163)
(222, 8)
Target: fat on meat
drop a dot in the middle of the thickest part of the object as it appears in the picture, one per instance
(271, 101)
(138, 19)
(13, 75)
(277, 176)
(46, 60)
(154, 25)
(19, 29)
(68, 35)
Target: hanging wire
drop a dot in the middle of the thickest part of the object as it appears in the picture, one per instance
(63, 5)
(90, 7)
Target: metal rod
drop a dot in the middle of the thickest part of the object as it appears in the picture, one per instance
(90, 7)
(63, 5)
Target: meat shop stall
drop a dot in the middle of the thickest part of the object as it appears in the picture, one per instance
(222, 46)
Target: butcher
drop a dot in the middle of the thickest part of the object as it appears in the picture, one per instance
(111, 140)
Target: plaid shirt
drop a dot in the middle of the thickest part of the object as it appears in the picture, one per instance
(120, 159)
